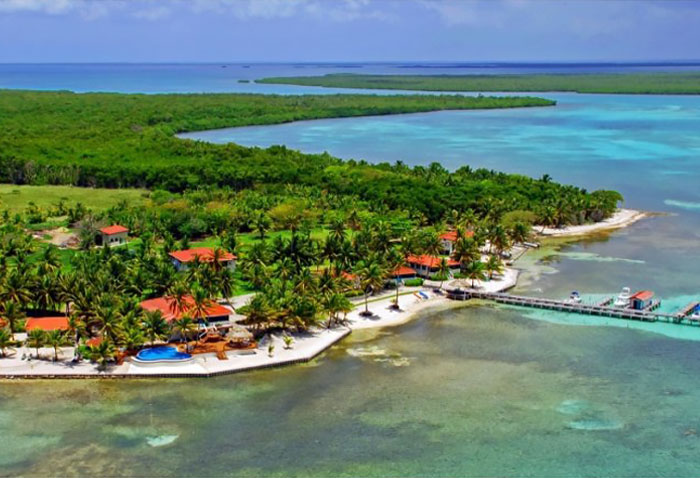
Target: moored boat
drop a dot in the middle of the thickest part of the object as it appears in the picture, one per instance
(623, 300)
(575, 298)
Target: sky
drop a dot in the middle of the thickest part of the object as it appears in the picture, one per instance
(347, 30)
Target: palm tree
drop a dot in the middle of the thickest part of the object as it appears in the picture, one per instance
(16, 288)
(12, 313)
(371, 280)
(475, 271)
(200, 304)
(493, 265)
(131, 338)
(466, 250)
(443, 271)
(55, 339)
(36, 339)
(262, 224)
(184, 327)
(394, 261)
(6, 340)
(259, 310)
(102, 353)
(520, 232)
(108, 321)
(155, 326)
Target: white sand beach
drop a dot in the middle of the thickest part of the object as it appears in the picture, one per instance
(622, 218)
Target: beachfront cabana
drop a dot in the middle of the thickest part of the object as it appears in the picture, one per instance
(182, 259)
(114, 235)
(170, 310)
(427, 266)
(641, 300)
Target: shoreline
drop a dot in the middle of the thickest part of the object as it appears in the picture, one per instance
(621, 218)
(307, 346)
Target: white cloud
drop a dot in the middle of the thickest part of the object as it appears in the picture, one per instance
(89, 10)
(152, 13)
(44, 6)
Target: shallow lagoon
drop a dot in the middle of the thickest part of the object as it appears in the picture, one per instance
(478, 391)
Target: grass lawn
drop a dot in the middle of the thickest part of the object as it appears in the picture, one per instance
(16, 198)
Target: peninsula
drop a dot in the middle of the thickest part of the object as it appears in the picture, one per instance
(620, 83)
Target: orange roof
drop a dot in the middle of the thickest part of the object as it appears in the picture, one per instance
(430, 261)
(170, 311)
(348, 276)
(93, 342)
(46, 323)
(113, 229)
(643, 295)
(404, 271)
(452, 235)
(205, 254)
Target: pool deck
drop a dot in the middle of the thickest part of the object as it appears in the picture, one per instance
(305, 348)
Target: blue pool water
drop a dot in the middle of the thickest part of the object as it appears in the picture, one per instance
(157, 354)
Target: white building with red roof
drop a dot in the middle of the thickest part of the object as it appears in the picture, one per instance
(428, 266)
(449, 239)
(114, 235)
(182, 259)
(46, 324)
(171, 310)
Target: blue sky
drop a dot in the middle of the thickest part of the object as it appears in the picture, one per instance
(347, 30)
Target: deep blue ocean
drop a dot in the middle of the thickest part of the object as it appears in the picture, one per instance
(225, 77)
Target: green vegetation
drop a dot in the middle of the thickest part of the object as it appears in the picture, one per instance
(634, 83)
(310, 231)
(116, 141)
(16, 198)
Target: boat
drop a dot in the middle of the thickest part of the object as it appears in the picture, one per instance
(623, 300)
(695, 314)
(575, 298)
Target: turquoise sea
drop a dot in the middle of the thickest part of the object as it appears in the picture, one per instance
(478, 391)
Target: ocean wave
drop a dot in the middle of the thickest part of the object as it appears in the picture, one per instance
(687, 205)
(592, 257)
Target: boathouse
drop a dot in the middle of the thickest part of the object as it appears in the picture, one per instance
(641, 300)
(114, 235)
(182, 259)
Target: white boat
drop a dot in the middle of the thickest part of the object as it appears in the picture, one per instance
(623, 300)
(695, 315)
(575, 298)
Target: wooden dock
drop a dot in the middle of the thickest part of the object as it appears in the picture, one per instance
(603, 309)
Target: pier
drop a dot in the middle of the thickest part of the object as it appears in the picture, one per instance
(603, 309)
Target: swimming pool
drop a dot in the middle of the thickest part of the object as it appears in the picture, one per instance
(161, 354)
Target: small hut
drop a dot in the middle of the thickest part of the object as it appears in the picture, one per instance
(239, 337)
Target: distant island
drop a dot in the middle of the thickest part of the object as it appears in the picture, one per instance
(623, 83)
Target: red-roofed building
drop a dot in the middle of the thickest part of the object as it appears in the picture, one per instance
(449, 239)
(171, 311)
(181, 259)
(354, 279)
(427, 266)
(641, 300)
(46, 323)
(404, 272)
(113, 235)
